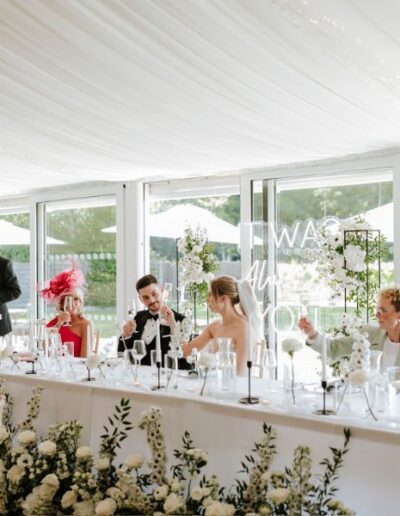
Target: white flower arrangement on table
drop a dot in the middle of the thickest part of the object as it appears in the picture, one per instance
(59, 476)
(358, 368)
(197, 261)
(346, 267)
(291, 346)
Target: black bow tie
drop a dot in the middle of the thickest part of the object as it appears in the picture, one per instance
(152, 316)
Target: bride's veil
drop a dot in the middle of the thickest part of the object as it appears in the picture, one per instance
(251, 310)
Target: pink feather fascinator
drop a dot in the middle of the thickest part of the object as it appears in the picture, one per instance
(65, 281)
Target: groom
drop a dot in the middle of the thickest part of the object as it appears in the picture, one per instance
(144, 326)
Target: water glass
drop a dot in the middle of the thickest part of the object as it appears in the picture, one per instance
(139, 351)
(171, 364)
(393, 374)
(269, 364)
(226, 368)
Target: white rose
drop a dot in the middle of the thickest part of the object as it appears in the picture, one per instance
(355, 258)
(84, 453)
(106, 507)
(291, 345)
(68, 499)
(51, 480)
(206, 359)
(15, 473)
(3, 434)
(173, 503)
(197, 248)
(161, 492)
(102, 463)
(358, 377)
(279, 495)
(220, 509)
(26, 437)
(134, 461)
(47, 448)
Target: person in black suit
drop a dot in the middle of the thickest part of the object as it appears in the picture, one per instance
(143, 326)
(9, 290)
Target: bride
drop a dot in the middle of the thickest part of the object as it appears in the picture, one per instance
(225, 295)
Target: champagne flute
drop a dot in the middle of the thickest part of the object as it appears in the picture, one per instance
(166, 298)
(139, 350)
(68, 306)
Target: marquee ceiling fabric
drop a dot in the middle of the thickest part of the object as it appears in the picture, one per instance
(126, 89)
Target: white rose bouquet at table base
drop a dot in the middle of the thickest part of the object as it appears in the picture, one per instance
(58, 475)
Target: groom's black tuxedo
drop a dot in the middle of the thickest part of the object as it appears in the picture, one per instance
(141, 319)
(9, 290)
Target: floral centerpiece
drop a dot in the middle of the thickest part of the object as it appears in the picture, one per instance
(197, 261)
(58, 475)
(347, 265)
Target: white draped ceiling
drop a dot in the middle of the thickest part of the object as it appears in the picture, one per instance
(125, 89)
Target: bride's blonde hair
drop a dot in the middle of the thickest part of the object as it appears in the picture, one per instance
(225, 286)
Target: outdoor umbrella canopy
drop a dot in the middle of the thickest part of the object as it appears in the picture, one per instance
(14, 235)
(171, 223)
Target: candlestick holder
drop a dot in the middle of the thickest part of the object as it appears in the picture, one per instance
(32, 371)
(158, 386)
(249, 399)
(324, 411)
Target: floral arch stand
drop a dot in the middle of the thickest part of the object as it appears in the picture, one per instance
(370, 241)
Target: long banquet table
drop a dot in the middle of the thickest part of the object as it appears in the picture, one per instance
(227, 430)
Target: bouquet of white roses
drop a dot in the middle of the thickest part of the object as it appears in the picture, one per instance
(346, 265)
(197, 261)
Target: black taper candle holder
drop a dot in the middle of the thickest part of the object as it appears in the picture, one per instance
(158, 386)
(33, 368)
(249, 399)
(323, 411)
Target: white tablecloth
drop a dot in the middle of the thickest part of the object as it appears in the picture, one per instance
(227, 430)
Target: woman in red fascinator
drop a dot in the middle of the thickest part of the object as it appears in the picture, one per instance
(65, 290)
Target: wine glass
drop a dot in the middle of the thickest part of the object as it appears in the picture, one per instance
(68, 307)
(304, 303)
(132, 309)
(139, 351)
(166, 299)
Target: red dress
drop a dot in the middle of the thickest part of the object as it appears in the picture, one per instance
(67, 335)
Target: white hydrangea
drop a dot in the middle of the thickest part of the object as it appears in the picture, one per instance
(102, 463)
(292, 345)
(216, 508)
(279, 495)
(173, 503)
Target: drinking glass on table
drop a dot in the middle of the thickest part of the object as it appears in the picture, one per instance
(139, 351)
(132, 311)
(269, 364)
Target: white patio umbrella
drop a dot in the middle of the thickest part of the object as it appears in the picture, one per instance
(382, 218)
(14, 235)
(171, 223)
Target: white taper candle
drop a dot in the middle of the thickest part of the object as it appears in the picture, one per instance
(158, 341)
(323, 359)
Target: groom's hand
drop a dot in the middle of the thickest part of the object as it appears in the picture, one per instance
(168, 316)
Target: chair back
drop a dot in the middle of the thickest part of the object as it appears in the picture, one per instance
(258, 359)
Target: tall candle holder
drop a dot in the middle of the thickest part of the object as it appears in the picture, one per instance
(249, 399)
(324, 411)
(158, 386)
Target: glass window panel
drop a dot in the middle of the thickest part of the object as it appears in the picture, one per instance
(219, 214)
(15, 245)
(76, 228)
(300, 205)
